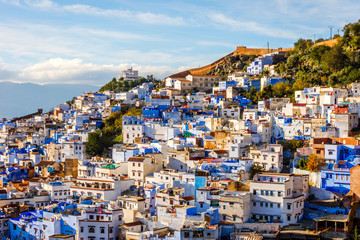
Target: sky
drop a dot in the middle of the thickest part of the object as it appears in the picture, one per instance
(92, 41)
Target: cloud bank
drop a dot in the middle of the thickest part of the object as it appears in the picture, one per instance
(76, 71)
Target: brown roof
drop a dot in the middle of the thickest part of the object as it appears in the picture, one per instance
(136, 159)
(132, 224)
(45, 163)
(188, 198)
(197, 75)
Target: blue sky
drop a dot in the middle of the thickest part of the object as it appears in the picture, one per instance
(63, 41)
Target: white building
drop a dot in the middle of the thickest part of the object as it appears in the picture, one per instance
(73, 149)
(101, 188)
(132, 127)
(235, 207)
(100, 223)
(278, 197)
(129, 74)
(270, 158)
(58, 191)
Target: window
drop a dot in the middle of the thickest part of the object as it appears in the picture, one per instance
(111, 230)
(289, 206)
(91, 229)
(91, 216)
(289, 217)
(278, 205)
(254, 192)
(82, 229)
(102, 230)
(254, 204)
(271, 205)
(261, 204)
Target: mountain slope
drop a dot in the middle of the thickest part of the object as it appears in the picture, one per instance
(241, 51)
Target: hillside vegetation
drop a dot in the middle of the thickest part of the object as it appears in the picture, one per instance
(110, 133)
(122, 85)
(323, 65)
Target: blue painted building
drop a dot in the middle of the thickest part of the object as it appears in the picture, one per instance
(256, 83)
(223, 85)
(336, 177)
(151, 112)
(13, 174)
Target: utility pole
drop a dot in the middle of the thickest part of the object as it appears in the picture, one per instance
(268, 47)
(331, 28)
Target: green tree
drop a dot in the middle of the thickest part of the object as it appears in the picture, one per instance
(93, 145)
(281, 89)
(255, 169)
(334, 59)
(317, 53)
(314, 164)
(319, 40)
(280, 68)
(252, 94)
(302, 164)
(126, 84)
(292, 145)
(351, 40)
(134, 112)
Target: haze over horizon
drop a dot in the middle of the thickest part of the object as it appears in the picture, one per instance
(49, 41)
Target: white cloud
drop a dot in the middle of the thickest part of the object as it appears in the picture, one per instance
(40, 3)
(142, 17)
(252, 26)
(70, 71)
(39, 41)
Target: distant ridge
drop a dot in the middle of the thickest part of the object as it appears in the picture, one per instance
(20, 99)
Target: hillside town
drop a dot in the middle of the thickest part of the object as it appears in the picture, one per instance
(191, 159)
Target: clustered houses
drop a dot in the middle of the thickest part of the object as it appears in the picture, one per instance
(203, 165)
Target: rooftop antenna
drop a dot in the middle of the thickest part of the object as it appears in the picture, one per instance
(331, 28)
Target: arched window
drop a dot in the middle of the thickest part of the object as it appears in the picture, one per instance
(91, 229)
